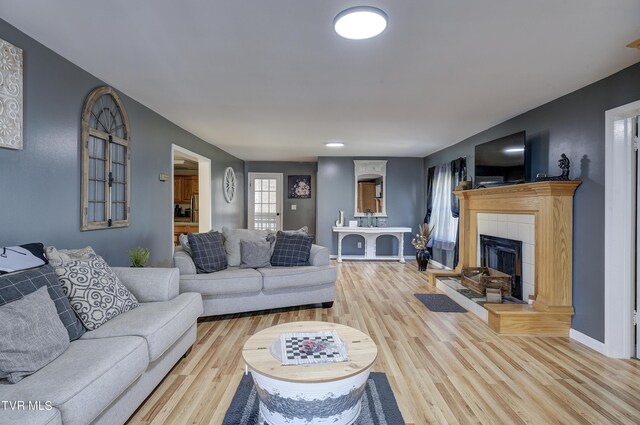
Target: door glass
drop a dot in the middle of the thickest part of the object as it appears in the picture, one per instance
(265, 206)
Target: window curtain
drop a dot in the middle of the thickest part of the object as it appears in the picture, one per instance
(445, 225)
(458, 173)
(430, 175)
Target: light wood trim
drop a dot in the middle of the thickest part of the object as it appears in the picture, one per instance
(634, 44)
(552, 204)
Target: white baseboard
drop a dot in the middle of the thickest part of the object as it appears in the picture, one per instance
(594, 344)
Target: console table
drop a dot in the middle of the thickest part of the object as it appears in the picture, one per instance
(370, 235)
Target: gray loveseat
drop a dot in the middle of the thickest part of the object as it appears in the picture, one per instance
(103, 377)
(236, 290)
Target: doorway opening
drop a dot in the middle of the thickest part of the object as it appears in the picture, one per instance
(264, 206)
(191, 192)
(622, 248)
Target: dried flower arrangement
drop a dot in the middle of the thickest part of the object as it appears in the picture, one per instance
(425, 232)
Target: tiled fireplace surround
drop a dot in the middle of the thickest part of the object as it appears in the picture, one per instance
(519, 227)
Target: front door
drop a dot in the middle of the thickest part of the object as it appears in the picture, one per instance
(265, 201)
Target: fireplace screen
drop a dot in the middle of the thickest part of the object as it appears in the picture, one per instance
(504, 255)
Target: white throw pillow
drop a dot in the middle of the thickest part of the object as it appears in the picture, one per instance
(57, 257)
(95, 292)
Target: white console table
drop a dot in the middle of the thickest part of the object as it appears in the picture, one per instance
(370, 235)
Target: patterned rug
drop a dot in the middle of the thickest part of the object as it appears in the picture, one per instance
(440, 303)
(379, 405)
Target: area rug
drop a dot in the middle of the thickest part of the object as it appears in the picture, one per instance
(440, 303)
(379, 405)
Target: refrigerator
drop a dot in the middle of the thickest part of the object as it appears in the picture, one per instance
(195, 208)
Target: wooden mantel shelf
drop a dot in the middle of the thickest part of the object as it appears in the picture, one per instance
(552, 205)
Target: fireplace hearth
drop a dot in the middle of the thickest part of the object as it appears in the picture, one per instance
(504, 255)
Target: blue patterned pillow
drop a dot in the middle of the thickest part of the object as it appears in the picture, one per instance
(291, 250)
(207, 251)
(16, 285)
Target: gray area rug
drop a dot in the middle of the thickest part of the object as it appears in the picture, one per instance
(440, 303)
(379, 405)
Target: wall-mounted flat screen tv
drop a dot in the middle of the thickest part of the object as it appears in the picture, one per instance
(501, 161)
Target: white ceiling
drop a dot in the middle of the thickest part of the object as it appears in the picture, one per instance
(270, 80)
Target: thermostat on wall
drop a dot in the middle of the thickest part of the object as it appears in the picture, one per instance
(163, 177)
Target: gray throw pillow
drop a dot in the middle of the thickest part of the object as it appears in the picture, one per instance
(184, 242)
(95, 292)
(255, 254)
(207, 252)
(32, 335)
(14, 286)
(232, 238)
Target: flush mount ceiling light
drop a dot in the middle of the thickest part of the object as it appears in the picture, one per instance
(360, 23)
(334, 145)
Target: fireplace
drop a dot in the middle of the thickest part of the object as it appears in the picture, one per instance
(504, 255)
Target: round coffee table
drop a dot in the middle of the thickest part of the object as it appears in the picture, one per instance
(320, 394)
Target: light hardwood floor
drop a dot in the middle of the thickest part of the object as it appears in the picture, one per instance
(444, 368)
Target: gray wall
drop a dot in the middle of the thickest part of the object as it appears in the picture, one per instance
(405, 200)
(40, 185)
(305, 212)
(573, 124)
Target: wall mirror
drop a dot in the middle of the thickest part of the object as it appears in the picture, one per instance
(370, 187)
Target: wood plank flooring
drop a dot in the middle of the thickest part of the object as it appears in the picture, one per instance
(444, 368)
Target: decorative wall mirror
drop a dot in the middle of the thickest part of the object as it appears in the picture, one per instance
(370, 187)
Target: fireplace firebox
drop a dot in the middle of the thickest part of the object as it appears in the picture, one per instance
(504, 255)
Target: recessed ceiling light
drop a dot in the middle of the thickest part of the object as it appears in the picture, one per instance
(361, 22)
(334, 145)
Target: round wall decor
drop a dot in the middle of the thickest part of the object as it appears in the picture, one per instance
(229, 184)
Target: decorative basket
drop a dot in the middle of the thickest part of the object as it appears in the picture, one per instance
(480, 278)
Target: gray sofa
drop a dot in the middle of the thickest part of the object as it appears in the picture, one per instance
(103, 377)
(236, 290)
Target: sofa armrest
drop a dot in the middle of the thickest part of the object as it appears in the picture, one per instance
(319, 256)
(184, 262)
(149, 284)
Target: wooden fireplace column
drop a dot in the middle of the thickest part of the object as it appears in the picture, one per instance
(552, 205)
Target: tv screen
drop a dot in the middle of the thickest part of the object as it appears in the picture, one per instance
(501, 161)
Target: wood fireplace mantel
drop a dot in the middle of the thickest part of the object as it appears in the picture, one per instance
(552, 205)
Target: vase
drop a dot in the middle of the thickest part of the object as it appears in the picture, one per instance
(422, 257)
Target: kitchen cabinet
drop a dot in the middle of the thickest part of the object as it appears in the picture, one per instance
(179, 229)
(183, 188)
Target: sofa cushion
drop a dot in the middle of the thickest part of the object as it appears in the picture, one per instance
(277, 278)
(44, 416)
(232, 238)
(32, 335)
(159, 323)
(207, 251)
(85, 379)
(16, 285)
(255, 254)
(23, 257)
(95, 292)
(225, 282)
(291, 250)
